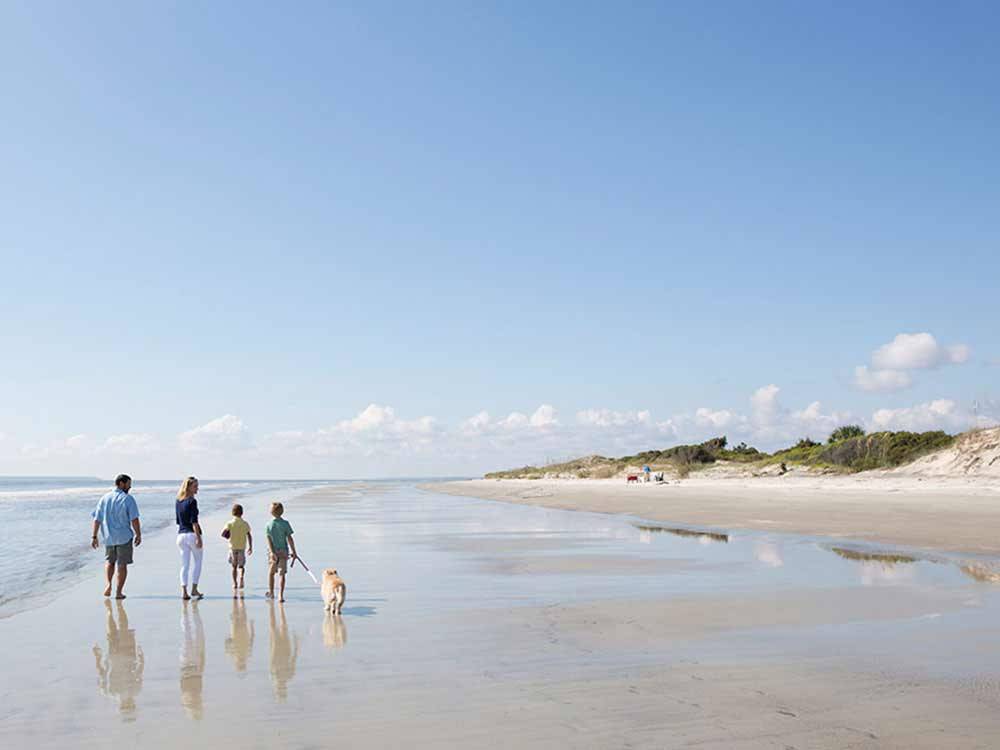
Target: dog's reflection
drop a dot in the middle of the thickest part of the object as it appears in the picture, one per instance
(334, 632)
(239, 644)
(284, 651)
(119, 670)
(192, 660)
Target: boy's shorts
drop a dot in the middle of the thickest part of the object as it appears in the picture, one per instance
(279, 562)
(238, 558)
(119, 554)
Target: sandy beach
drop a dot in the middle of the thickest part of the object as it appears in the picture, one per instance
(477, 624)
(940, 513)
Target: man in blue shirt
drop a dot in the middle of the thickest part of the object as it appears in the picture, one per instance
(116, 518)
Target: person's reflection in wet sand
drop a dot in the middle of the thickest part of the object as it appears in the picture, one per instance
(239, 644)
(334, 632)
(119, 671)
(192, 660)
(284, 652)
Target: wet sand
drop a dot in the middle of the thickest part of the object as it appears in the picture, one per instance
(960, 515)
(472, 624)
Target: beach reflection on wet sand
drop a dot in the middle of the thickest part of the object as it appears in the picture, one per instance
(239, 643)
(192, 672)
(120, 667)
(284, 650)
(465, 614)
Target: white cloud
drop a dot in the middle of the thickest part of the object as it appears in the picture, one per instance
(720, 419)
(225, 433)
(941, 414)
(131, 444)
(880, 380)
(908, 351)
(375, 430)
(610, 418)
(917, 351)
(764, 405)
(514, 421)
(544, 416)
(812, 420)
(770, 423)
(476, 424)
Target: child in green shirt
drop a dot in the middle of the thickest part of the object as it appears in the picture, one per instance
(279, 540)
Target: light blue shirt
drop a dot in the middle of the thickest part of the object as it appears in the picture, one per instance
(115, 512)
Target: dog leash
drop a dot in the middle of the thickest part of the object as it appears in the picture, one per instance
(306, 568)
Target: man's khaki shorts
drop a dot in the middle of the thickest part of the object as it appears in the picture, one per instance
(279, 562)
(238, 558)
(119, 554)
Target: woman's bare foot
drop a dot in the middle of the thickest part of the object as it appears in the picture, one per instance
(119, 596)
(195, 593)
(269, 595)
(281, 600)
(107, 591)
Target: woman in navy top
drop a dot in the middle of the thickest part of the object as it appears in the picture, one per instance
(189, 538)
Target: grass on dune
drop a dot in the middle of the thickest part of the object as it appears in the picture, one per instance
(847, 449)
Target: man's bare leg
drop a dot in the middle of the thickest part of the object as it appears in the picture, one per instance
(122, 575)
(109, 572)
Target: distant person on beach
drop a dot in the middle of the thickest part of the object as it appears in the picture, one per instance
(279, 538)
(237, 531)
(116, 519)
(189, 538)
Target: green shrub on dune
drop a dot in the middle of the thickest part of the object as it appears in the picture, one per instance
(882, 450)
(847, 449)
(846, 432)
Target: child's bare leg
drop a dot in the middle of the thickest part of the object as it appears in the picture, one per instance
(122, 575)
(243, 575)
(281, 596)
(109, 572)
(270, 581)
(234, 577)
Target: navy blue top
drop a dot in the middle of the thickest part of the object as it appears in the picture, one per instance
(187, 515)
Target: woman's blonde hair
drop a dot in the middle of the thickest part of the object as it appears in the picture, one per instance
(185, 489)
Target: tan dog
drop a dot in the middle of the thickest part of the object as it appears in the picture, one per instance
(334, 591)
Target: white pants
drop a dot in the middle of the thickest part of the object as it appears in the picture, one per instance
(186, 544)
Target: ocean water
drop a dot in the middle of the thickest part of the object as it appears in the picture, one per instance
(45, 525)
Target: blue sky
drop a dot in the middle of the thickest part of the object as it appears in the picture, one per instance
(276, 219)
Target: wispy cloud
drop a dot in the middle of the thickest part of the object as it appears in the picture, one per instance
(131, 444)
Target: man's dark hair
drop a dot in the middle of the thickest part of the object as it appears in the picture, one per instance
(122, 479)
